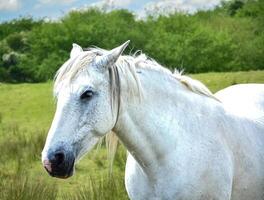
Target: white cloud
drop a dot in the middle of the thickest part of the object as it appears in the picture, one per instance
(118, 3)
(111, 4)
(169, 6)
(42, 3)
(56, 1)
(9, 5)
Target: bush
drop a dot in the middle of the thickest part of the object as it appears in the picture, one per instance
(16, 41)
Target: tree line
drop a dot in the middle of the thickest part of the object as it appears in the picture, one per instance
(227, 38)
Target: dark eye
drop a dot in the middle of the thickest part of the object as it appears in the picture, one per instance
(87, 94)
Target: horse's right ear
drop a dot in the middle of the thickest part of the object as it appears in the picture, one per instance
(76, 49)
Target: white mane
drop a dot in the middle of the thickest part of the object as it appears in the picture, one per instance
(142, 61)
(127, 65)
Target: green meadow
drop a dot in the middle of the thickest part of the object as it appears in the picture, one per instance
(26, 112)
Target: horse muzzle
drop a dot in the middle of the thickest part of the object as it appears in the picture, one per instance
(60, 163)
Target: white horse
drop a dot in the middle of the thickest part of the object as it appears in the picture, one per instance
(183, 141)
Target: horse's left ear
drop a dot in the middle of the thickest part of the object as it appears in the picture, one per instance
(76, 49)
(108, 59)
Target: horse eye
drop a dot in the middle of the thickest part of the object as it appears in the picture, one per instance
(87, 94)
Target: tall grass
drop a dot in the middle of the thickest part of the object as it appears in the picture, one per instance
(1, 117)
(20, 187)
(104, 188)
(18, 151)
(17, 144)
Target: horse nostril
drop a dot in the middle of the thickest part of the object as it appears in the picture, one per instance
(59, 163)
(59, 157)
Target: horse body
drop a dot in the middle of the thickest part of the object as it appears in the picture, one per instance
(245, 103)
(244, 100)
(183, 142)
(208, 159)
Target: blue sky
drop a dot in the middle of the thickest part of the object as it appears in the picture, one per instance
(10, 9)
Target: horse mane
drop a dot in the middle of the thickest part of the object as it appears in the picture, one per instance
(127, 65)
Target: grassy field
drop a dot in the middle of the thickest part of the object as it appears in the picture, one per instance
(26, 111)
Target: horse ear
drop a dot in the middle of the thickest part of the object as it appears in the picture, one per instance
(108, 59)
(76, 49)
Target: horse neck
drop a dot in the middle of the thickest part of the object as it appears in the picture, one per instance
(152, 126)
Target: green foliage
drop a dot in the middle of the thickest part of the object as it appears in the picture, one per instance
(15, 41)
(234, 6)
(17, 25)
(228, 38)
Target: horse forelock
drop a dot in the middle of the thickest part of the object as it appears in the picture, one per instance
(69, 70)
